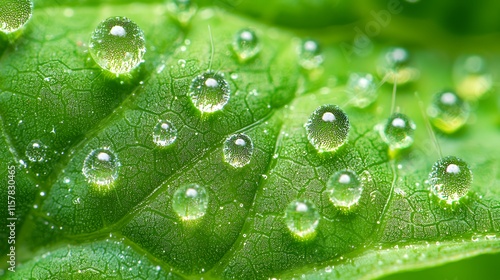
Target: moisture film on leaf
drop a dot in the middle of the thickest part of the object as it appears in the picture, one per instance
(224, 140)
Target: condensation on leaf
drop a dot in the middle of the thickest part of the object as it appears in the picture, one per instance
(327, 128)
(118, 45)
(14, 14)
(190, 202)
(450, 179)
(209, 92)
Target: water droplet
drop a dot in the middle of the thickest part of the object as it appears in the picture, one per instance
(394, 65)
(344, 188)
(117, 45)
(238, 150)
(327, 128)
(14, 14)
(36, 151)
(164, 134)
(398, 131)
(190, 202)
(472, 77)
(209, 92)
(450, 179)
(310, 54)
(448, 112)
(101, 167)
(181, 11)
(302, 218)
(362, 89)
(246, 45)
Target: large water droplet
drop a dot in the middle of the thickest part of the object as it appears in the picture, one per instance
(14, 14)
(472, 77)
(448, 112)
(362, 89)
(101, 167)
(164, 134)
(450, 179)
(398, 131)
(394, 66)
(190, 202)
(327, 128)
(246, 45)
(117, 45)
(36, 151)
(209, 92)
(310, 56)
(238, 150)
(344, 188)
(302, 218)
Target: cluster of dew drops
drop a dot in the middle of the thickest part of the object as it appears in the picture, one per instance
(118, 46)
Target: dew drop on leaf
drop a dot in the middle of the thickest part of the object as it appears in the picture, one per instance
(344, 189)
(181, 11)
(302, 218)
(246, 45)
(310, 56)
(394, 66)
(448, 112)
(164, 134)
(362, 89)
(398, 131)
(209, 92)
(327, 128)
(472, 77)
(117, 45)
(101, 166)
(450, 179)
(36, 151)
(238, 150)
(14, 14)
(190, 202)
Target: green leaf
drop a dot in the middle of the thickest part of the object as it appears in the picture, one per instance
(52, 92)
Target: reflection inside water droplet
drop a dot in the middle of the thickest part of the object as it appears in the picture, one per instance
(302, 218)
(238, 150)
(164, 134)
(190, 202)
(327, 128)
(450, 179)
(100, 167)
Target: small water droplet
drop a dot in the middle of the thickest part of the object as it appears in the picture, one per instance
(394, 66)
(101, 167)
(450, 179)
(181, 11)
(14, 14)
(472, 77)
(362, 89)
(164, 134)
(448, 112)
(117, 45)
(310, 56)
(398, 131)
(327, 128)
(36, 151)
(238, 150)
(209, 92)
(344, 188)
(190, 202)
(246, 45)
(302, 218)
(77, 200)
